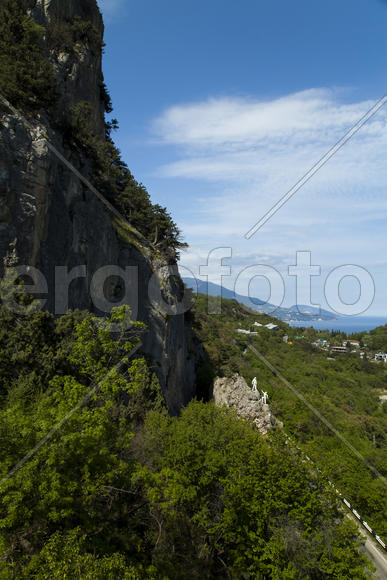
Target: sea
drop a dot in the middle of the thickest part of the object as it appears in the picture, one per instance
(348, 324)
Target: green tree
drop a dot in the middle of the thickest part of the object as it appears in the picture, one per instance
(26, 76)
(68, 481)
(229, 504)
(66, 556)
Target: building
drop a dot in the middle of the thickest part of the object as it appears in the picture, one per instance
(271, 326)
(257, 324)
(242, 331)
(381, 357)
(339, 349)
(353, 343)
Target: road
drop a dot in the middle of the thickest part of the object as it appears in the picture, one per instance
(371, 548)
(376, 555)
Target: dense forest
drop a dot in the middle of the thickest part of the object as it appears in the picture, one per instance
(119, 489)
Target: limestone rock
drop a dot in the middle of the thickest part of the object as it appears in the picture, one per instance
(50, 219)
(235, 392)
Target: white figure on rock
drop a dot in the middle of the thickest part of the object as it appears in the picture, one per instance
(265, 396)
(254, 383)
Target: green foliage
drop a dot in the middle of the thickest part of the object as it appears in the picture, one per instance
(113, 178)
(64, 36)
(79, 406)
(26, 77)
(64, 556)
(344, 390)
(229, 504)
(118, 489)
(376, 339)
(108, 108)
(109, 486)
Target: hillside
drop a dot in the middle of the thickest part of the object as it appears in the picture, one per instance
(344, 388)
(299, 313)
(111, 486)
(110, 468)
(375, 339)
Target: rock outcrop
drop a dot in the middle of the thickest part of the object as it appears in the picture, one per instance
(50, 220)
(235, 392)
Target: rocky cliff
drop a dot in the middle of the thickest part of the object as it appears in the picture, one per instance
(51, 220)
(235, 392)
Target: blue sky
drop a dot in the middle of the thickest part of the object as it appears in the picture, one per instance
(223, 106)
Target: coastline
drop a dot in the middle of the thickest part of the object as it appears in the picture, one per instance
(349, 325)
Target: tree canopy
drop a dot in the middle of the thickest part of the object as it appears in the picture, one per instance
(113, 487)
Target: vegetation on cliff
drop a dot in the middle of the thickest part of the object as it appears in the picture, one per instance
(26, 76)
(29, 81)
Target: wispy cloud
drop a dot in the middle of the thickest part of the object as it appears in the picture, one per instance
(230, 122)
(249, 152)
(260, 148)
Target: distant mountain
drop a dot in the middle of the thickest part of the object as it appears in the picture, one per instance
(313, 311)
(296, 313)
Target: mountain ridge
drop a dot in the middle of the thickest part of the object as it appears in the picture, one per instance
(285, 314)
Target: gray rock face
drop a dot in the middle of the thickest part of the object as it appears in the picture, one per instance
(235, 392)
(79, 72)
(49, 219)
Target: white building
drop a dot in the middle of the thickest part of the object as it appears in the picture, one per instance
(353, 343)
(271, 326)
(339, 349)
(242, 331)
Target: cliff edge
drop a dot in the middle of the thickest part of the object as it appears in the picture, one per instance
(52, 221)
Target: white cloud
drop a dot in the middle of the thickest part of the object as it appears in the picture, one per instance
(251, 152)
(226, 138)
(259, 150)
(228, 122)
